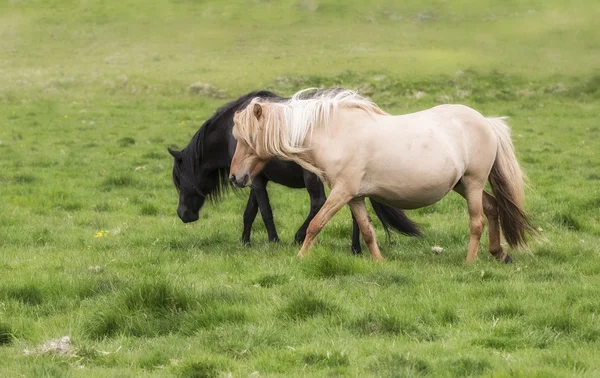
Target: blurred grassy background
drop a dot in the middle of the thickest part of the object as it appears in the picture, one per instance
(77, 47)
(91, 94)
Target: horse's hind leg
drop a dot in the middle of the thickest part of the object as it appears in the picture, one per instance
(359, 210)
(356, 248)
(336, 200)
(472, 191)
(490, 208)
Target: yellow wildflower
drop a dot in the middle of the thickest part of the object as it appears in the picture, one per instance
(101, 234)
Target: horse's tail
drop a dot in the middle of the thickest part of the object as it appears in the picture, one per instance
(508, 185)
(394, 218)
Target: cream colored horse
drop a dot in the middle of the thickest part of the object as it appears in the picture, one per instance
(408, 161)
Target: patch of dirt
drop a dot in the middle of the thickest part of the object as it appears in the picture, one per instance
(206, 90)
(57, 347)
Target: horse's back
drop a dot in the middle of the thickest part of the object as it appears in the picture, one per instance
(416, 158)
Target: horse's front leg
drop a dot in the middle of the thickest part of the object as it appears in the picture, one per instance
(316, 191)
(249, 216)
(336, 200)
(262, 197)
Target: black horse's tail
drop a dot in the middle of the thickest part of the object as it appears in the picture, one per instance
(395, 219)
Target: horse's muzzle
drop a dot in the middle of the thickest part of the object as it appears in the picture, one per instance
(242, 181)
(187, 216)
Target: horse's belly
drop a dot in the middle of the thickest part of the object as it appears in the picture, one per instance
(410, 184)
(411, 200)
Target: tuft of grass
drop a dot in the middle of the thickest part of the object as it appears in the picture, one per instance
(468, 366)
(6, 334)
(395, 364)
(569, 362)
(509, 310)
(29, 294)
(560, 323)
(306, 305)
(103, 207)
(153, 360)
(25, 179)
(326, 359)
(386, 279)
(126, 142)
(497, 342)
(149, 210)
(155, 155)
(105, 324)
(270, 280)
(385, 324)
(152, 308)
(244, 341)
(447, 316)
(331, 266)
(567, 221)
(212, 316)
(158, 297)
(198, 369)
(49, 369)
(119, 181)
(70, 206)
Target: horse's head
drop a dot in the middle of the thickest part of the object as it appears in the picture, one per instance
(191, 194)
(247, 130)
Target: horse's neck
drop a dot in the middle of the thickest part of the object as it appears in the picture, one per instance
(214, 146)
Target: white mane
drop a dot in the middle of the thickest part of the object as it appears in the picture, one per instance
(305, 111)
(281, 129)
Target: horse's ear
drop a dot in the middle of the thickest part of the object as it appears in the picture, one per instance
(175, 154)
(257, 111)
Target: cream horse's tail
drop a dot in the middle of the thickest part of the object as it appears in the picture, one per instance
(508, 185)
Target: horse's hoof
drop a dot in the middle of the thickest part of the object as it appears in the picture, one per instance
(356, 250)
(507, 259)
(274, 240)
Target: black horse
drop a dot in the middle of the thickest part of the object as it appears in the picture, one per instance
(201, 170)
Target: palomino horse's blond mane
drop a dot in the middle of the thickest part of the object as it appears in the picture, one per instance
(282, 127)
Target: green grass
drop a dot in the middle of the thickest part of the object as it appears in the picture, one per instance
(91, 95)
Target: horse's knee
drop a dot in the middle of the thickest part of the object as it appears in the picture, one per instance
(368, 237)
(312, 230)
(477, 225)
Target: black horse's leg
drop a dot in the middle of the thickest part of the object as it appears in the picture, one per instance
(262, 197)
(356, 248)
(249, 216)
(316, 191)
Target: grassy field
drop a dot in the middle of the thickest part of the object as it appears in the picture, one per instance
(93, 92)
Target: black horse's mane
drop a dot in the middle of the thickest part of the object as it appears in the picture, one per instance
(193, 155)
